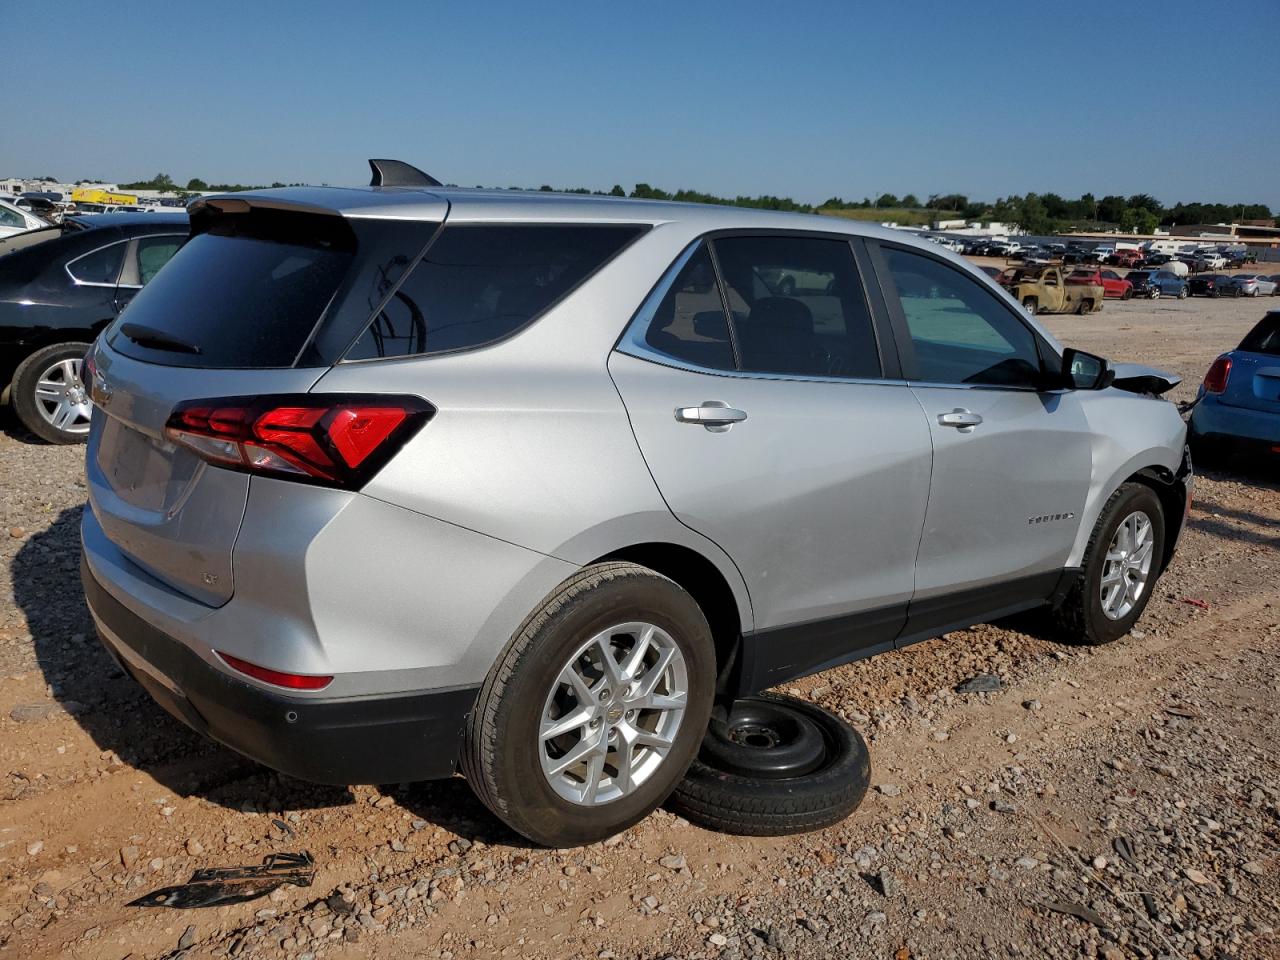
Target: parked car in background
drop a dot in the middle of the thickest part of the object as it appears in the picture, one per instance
(1237, 408)
(1209, 260)
(59, 286)
(373, 530)
(1101, 253)
(1235, 258)
(1154, 260)
(1155, 284)
(1125, 258)
(995, 273)
(1113, 285)
(1209, 284)
(1045, 290)
(14, 219)
(1252, 285)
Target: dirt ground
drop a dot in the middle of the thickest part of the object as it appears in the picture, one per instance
(1116, 802)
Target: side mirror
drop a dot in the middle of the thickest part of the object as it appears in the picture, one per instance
(1085, 371)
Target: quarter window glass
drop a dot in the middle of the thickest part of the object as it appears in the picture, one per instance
(689, 324)
(798, 307)
(11, 218)
(961, 333)
(100, 266)
(479, 284)
(154, 253)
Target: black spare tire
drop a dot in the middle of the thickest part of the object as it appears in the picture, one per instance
(736, 786)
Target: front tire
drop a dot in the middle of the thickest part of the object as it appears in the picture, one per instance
(1155, 293)
(1121, 565)
(595, 709)
(48, 395)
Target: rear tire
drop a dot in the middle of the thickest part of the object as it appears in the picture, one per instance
(507, 754)
(48, 396)
(1081, 617)
(771, 806)
(1127, 295)
(1183, 293)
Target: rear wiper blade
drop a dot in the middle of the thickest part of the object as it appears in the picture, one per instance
(145, 336)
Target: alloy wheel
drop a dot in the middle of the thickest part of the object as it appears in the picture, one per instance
(613, 713)
(62, 399)
(1127, 566)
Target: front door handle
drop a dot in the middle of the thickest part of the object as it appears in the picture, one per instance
(715, 415)
(960, 418)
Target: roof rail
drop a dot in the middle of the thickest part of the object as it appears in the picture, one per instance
(397, 173)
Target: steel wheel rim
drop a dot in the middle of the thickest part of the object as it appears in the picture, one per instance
(61, 398)
(612, 714)
(1127, 567)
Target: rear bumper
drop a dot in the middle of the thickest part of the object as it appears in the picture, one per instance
(1213, 420)
(387, 739)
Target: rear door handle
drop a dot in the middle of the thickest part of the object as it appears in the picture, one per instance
(960, 418)
(715, 415)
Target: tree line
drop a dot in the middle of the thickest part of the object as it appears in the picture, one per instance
(1033, 212)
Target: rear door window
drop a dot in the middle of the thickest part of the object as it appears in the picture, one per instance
(797, 306)
(477, 285)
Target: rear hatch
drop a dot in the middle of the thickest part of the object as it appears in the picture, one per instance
(1254, 381)
(251, 306)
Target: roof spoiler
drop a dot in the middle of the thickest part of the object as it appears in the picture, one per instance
(397, 173)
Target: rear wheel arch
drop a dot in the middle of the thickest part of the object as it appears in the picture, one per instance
(701, 579)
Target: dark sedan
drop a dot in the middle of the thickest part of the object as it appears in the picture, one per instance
(58, 288)
(1210, 285)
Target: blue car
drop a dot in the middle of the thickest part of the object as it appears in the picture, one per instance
(1155, 284)
(1238, 406)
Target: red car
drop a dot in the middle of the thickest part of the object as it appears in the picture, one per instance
(1113, 285)
(1125, 258)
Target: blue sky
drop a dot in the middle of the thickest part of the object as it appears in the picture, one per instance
(810, 100)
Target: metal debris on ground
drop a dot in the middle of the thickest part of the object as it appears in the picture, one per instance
(982, 683)
(218, 886)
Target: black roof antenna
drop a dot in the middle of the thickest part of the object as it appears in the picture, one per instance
(397, 173)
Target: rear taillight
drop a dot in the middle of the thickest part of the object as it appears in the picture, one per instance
(338, 441)
(1215, 381)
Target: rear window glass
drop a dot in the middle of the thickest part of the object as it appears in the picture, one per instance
(479, 284)
(1265, 337)
(245, 294)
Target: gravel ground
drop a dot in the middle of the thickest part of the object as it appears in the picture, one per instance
(1118, 802)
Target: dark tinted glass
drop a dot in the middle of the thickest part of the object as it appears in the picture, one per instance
(961, 332)
(480, 284)
(689, 323)
(243, 297)
(100, 266)
(798, 307)
(1265, 337)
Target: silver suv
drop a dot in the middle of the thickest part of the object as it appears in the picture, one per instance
(391, 482)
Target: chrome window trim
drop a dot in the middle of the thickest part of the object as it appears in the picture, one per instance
(93, 283)
(633, 344)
